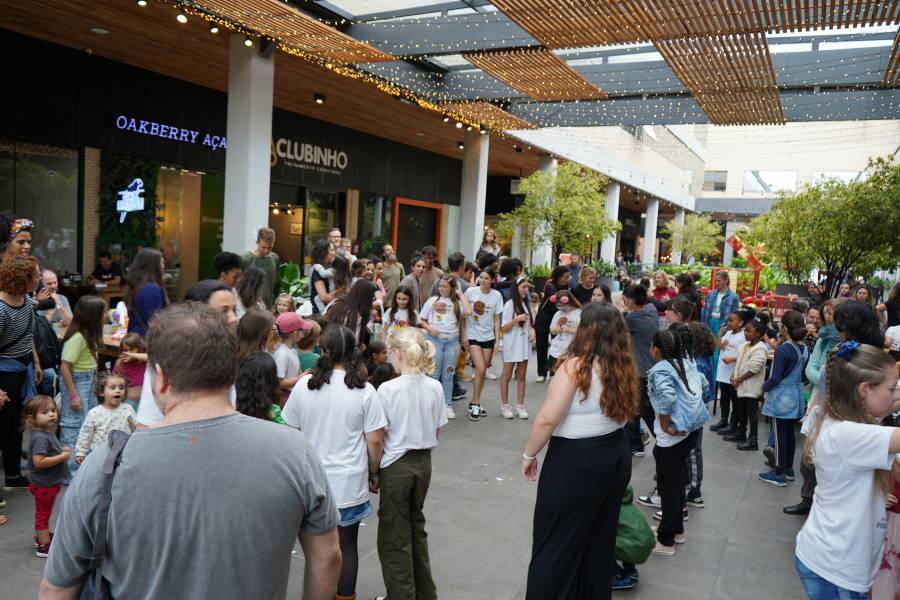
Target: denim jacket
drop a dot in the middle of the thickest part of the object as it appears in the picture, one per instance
(687, 411)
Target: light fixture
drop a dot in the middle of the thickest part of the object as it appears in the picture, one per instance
(484, 132)
(319, 98)
(469, 128)
(460, 145)
(446, 119)
(519, 149)
(99, 30)
(459, 125)
(289, 211)
(181, 18)
(248, 41)
(214, 29)
(142, 3)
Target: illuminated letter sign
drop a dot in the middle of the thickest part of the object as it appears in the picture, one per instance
(131, 199)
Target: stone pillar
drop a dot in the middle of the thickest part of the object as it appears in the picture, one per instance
(608, 246)
(652, 212)
(676, 252)
(249, 139)
(473, 193)
(543, 254)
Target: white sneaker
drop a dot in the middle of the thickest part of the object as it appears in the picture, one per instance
(540, 379)
(521, 412)
(652, 500)
(490, 376)
(505, 412)
(450, 414)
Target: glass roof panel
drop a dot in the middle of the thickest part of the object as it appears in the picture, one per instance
(366, 7)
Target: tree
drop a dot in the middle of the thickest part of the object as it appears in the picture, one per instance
(698, 236)
(839, 228)
(566, 210)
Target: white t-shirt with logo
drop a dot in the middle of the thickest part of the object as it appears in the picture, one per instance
(733, 342)
(480, 324)
(415, 410)
(843, 536)
(439, 313)
(335, 419)
(516, 344)
(398, 318)
(560, 342)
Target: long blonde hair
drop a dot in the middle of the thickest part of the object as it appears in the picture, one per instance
(419, 351)
(842, 402)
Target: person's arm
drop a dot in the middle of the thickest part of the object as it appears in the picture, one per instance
(559, 397)
(48, 591)
(288, 383)
(555, 329)
(894, 446)
(38, 373)
(374, 448)
(42, 461)
(815, 362)
(323, 561)
(496, 326)
(466, 306)
(65, 368)
(83, 444)
(756, 362)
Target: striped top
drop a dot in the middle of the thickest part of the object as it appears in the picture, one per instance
(17, 329)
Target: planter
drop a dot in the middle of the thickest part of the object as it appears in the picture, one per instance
(608, 281)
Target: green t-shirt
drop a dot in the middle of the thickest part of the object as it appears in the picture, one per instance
(276, 417)
(76, 351)
(308, 360)
(269, 265)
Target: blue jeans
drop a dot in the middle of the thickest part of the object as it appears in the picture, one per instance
(70, 421)
(48, 383)
(818, 588)
(445, 353)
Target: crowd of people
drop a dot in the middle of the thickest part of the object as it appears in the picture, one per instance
(214, 388)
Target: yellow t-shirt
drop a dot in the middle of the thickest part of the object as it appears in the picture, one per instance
(76, 351)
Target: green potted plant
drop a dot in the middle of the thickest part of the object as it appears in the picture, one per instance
(291, 281)
(538, 274)
(606, 273)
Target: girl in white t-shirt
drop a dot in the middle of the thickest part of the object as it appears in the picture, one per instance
(517, 335)
(442, 317)
(729, 347)
(401, 314)
(563, 325)
(482, 332)
(839, 547)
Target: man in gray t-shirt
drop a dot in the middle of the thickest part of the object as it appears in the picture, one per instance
(208, 503)
(643, 323)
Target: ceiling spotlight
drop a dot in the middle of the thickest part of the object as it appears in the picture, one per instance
(275, 211)
(142, 3)
(469, 128)
(446, 119)
(214, 29)
(484, 132)
(248, 41)
(319, 98)
(289, 211)
(181, 18)
(460, 145)
(100, 30)
(459, 125)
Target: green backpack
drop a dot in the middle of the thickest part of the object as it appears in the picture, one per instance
(634, 538)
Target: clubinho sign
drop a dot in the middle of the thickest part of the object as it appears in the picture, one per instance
(131, 199)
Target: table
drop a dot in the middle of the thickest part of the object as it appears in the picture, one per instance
(110, 293)
(111, 340)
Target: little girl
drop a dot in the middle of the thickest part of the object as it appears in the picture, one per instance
(517, 335)
(283, 303)
(729, 345)
(110, 415)
(839, 547)
(676, 390)
(47, 466)
(290, 327)
(443, 318)
(401, 313)
(414, 407)
(563, 325)
(257, 388)
(747, 379)
(306, 346)
(784, 396)
(132, 365)
(83, 340)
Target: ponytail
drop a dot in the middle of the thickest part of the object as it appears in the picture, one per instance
(419, 351)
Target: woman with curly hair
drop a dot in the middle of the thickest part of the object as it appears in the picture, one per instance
(588, 463)
(257, 393)
(15, 235)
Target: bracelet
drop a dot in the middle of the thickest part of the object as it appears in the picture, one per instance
(526, 457)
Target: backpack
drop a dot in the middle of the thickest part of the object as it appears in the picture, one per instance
(47, 344)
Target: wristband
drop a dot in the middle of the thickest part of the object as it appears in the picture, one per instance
(526, 457)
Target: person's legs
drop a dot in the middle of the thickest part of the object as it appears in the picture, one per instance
(521, 370)
(70, 420)
(542, 347)
(752, 418)
(504, 382)
(785, 444)
(694, 466)
(348, 537)
(424, 582)
(648, 415)
(633, 432)
(44, 498)
(395, 537)
(740, 429)
(480, 364)
(448, 377)
(440, 367)
(669, 473)
(11, 423)
(818, 588)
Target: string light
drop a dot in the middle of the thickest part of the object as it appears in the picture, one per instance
(248, 41)
(181, 18)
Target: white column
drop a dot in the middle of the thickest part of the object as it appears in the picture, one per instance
(676, 253)
(652, 213)
(473, 193)
(731, 227)
(543, 254)
(249, 135)
(608, 247)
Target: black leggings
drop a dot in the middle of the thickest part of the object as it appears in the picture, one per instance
(348, 538)
(11, 422)
(542, 347)
(728, 400)
(748, 419)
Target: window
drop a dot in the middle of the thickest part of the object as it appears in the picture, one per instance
(770, 182)
(842, 176)
(714, 181)
(375, 211)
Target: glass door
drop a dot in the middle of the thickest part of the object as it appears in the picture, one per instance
(324, 210)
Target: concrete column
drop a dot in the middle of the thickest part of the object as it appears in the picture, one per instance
(731, 227)
(543, 254)
(676, 253)
(249, 135)
(652, 212)
(608, 246)
(474, 192)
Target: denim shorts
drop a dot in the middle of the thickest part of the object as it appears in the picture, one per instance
(818, 588)
(354, 514)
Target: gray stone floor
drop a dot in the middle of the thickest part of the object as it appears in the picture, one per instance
(479, 510)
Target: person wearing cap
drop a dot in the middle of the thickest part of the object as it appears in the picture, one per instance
(290, 326)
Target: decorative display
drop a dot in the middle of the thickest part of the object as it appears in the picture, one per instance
(488, 114)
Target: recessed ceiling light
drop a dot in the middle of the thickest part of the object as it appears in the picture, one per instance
(420, 134)
(248, 41)
(319, 98)
(460, 145)
(181, 18)
(459, 125)
(100, 30)
(214, 29)
(142, 3)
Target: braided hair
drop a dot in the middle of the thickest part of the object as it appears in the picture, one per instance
(671, 347)
(338, 346)
(682, 332)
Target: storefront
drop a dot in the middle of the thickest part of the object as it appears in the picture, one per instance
(78, 131)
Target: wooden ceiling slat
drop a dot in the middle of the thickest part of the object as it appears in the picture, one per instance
(488, 114)
(892, 71)
(285, 23)
(536, 72)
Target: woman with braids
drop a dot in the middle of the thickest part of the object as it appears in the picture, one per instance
(588, 462)
(343, 418)
(676, 389)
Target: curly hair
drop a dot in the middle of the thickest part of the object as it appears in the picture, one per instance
(17, 274)
(103, 378)
(419, 351)
(704, 345)
(602, 342)
(256, 386)
(337, 346)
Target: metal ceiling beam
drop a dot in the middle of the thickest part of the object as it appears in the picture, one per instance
(441, 7)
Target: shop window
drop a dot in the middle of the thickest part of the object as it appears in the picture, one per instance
(324, 210)
(374, 223)
(714, 181)
(41, 183)
(178, 195)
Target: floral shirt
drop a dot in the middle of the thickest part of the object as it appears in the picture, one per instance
(99, 422)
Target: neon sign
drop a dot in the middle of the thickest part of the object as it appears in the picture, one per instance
(131, 199)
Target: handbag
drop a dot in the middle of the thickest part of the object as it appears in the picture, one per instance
(96, 587)
(634, 538)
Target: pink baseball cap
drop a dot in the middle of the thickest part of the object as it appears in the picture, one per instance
(290, 322)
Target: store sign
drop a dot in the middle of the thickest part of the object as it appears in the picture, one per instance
(169, 132)
(131, 199)
(301, 155)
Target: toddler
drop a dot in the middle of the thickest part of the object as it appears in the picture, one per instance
(563, 325)
(283, 303)
(47, 466)
(111, 414)
(132, 365)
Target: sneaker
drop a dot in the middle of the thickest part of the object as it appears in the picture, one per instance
(42, 550)
(626, 582)
(450, 414)
(521, 412)
(773, 478)
(540, 379)
(16, 483)
(661, 550)
(638, 453)
(474, 412)
(695, 501)
(769, 453)
(505, 412)
(722, 423)
(464, 377)
(490, 376)
(481, 412)
(789, 474)
(645, 437)
(652, 500)
(460, 394)
(680, 538)
(657, 516)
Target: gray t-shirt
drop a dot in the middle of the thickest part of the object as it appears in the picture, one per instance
(43, 442)
(642, 325)
(206, 509)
